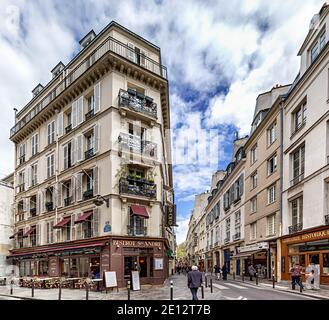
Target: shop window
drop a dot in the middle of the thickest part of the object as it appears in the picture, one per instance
(143, 267)
(84, 266)
(297, 259)
(130, 265)
(43, 267)
(325, 263)
(95, 268)
(65, 267)
(74, 268)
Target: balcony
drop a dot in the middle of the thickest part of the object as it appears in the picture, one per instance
(226, 240)
(49, 206)
(22, 159)
(108, 45)
(137, 187)
(68, 128)
(89, 153)
(138, 103)
(296, 180)
(89, 194)
(136, 231)
(296, 228)
(237, 236)
(89, 114)
(33, 212)
(326, 218)
(216, 244)
(68, 201)
(133, 143)
(20, 188)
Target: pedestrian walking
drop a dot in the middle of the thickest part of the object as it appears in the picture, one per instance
(224, 272)
(251, 271)
(194, 281)
(217, 271)
(296, 273)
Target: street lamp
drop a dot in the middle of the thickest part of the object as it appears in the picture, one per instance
(100, 200)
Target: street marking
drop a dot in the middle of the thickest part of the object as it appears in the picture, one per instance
(271, 285)
(236, 286)
(219, 286)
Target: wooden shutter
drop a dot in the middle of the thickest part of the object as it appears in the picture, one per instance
(97, 97)
(42, 201)
(38, 234)
(96, 138)
(60, 124)
(59, 194)
(73, 227)
(95, 222)
(74, 114)
(73, 188)
(95, 180)
(79, 187)
(27, 206)
(38, 205)
(79, 148)
(66, 156)
(80, 111)
(27, 178)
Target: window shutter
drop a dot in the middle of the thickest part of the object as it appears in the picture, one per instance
(96, 180)
(73, 227)
(73, 188)
(78, 227)
(60, 124)
(79, 187)
(241, 185)
(96, 138)
(38, 205)
(80, 111)
(131, 52)
(65, 156)
(95, 222)
(59, 194)
(26, 178)
(27, 206)
(97, 97)
(46, 233)
(74, 114)
(79, 148)
(143, 60)
(24, 205)
(73, 151)
(42, 201)
(38, 235)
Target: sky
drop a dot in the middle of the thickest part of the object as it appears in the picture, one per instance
(220, 56)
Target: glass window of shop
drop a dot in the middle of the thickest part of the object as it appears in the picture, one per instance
(43, 267)
(325, 258)
(74, 272)
(84, 266)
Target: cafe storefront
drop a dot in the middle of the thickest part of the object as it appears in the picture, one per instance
(306, 247)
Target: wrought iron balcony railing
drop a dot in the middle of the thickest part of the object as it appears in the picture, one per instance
(88, 194)
(297, 179)
(326, 218)
(136, 231)
(226, 240)
(67, 201)
(138, 187)
(22, 159)
(49, 206)
(108, 45)
(68, 128)
(137, 145)
(33, 212)
(296, 228)
(138, 103)
(90, 114)
(20, 188)
(89, 153)
(237, 236)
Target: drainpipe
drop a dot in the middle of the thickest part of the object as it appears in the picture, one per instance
(57, 167)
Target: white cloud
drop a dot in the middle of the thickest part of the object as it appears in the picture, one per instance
(181, 231)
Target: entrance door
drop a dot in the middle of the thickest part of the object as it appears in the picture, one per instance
(227, 256)
(238, 267)
(314, 258)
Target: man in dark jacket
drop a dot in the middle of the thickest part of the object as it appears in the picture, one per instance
(224, 271)
(194, 281)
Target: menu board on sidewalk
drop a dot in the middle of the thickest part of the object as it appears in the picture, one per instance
(110, 279)
(135, 280)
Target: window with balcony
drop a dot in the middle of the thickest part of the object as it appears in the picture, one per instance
(272, 165)
(49, 232)
(68, 155)
(89, 185)
(270, 225)
(87, 224)
(21, 153)
(253, 203)
(34, 175)
(90, 107)
(66, 231)
(49, 199)
(298, 165)
(33, 206)
(20, 210)
(68, 191)
(34, 144)
(50, 166)
(21, 181)
(253, 154)
(33, 236)
(296, 215)
(253, 180)
(68, 127)
(228, 230)
(253, 231)
(237, 225)
(271, 134)
(299, 117)
(271, 194)
(51, 132)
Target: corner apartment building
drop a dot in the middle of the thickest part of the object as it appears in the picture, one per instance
(262, 184)
(93, 173)
(225, 213)
(305, 224)
(195, 239)
(6, 221)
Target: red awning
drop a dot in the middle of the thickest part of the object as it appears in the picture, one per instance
(139, 211)
(61, 248)
(27, 233)
(84, 217)
(15, 234)
(62, 223)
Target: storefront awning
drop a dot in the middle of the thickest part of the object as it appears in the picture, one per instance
(27, 233)
(247, 254)
(139, 211)
(62, 223)
(84, 217)
(15, 234)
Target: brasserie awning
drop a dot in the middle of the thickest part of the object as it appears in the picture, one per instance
(15, 234)
(62, 223)
(139, 211)
(84, 217)
(247, 254)
(27, 233)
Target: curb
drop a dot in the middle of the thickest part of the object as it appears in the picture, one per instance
(18, 297)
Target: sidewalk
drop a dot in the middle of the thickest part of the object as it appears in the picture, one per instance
(181, 292)
(322, 293)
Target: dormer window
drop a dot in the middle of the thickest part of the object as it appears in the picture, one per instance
(87, 39)
(37, 90)
(58, 69)
(318, 45)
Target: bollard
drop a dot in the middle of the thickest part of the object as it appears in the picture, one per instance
(273, 280)
(242, 276)
(11, 286)
(87, 291)
(171, 290)
(256, 279)
(206, 281)
(300, 286)
(128, 289)
(210, 285)
(233, 275)
(172, 272)
(60, 290)
(32, 288)
(202, 291)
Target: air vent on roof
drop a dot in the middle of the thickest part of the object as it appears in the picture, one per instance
(57, 69)
(37, 89)
(84, 42)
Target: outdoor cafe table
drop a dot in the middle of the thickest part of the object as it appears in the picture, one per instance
(98, 282)
(73, 281)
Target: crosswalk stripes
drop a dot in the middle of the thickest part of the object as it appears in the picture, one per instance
(220, 287)
(235, 286)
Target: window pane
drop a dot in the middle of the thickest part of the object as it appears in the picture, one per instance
(325, 263)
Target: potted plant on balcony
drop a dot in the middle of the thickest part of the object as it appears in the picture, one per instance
(132, 175)
(138, 176)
